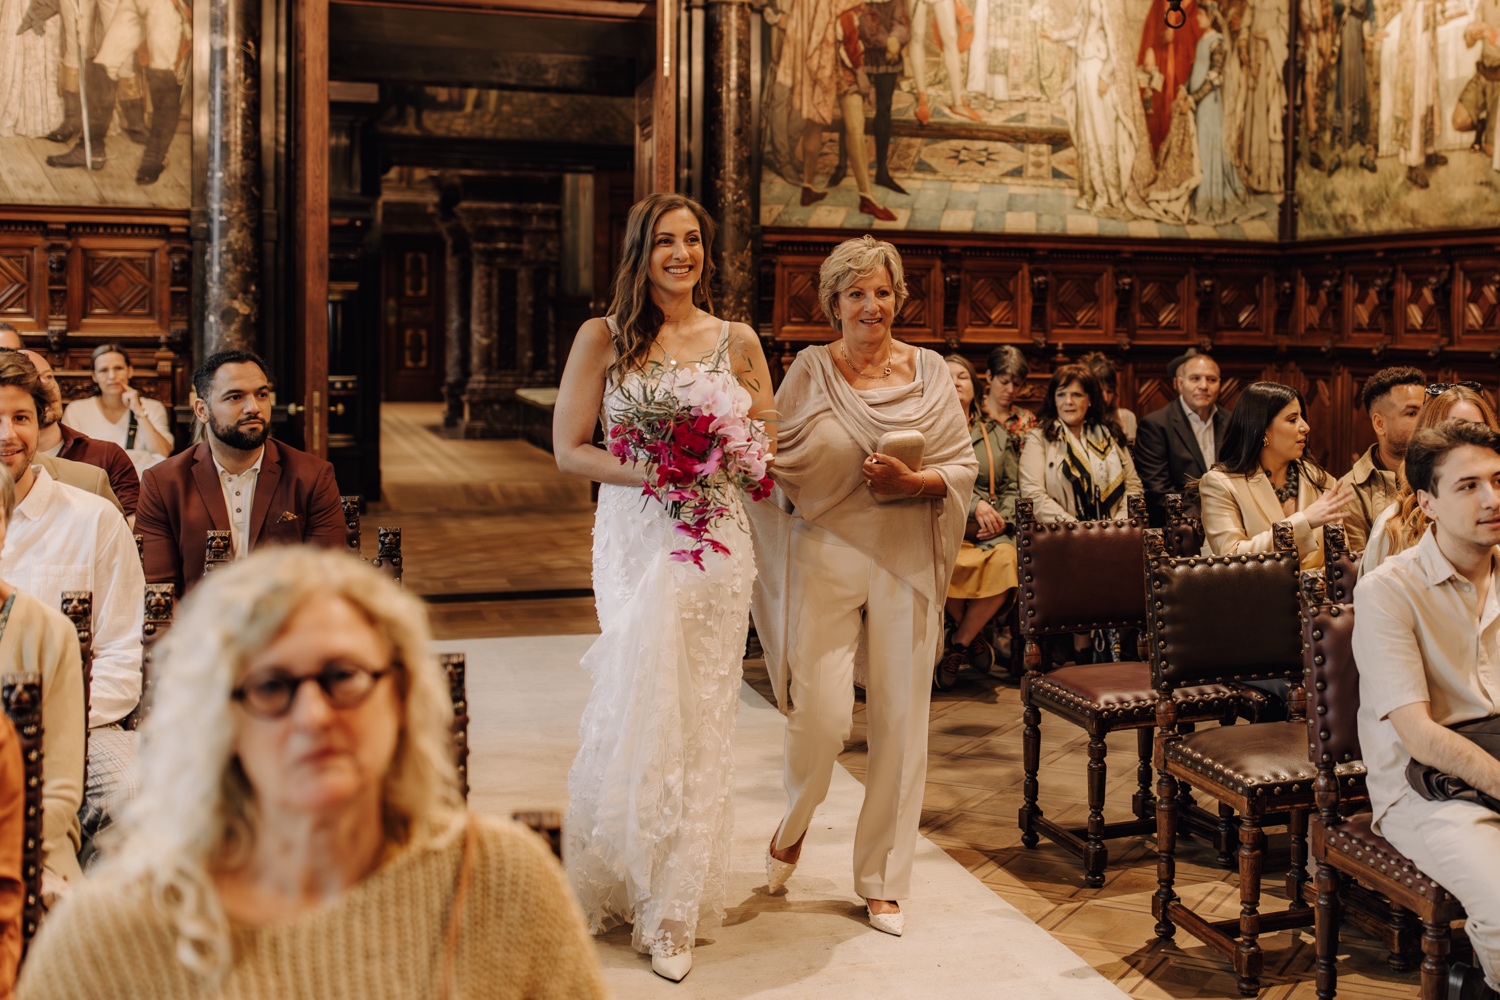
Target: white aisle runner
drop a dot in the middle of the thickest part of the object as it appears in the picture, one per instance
(525, 698)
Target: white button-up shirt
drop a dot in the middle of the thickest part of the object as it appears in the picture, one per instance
(239, 497)
(1203, 430)
(61, 538)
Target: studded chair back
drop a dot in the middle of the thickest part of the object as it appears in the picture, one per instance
(22, 696)
(218, 550)
(350, 506)
(1332, 682)
(388, 552)
(1340, 566)
(455, 666)
(1222, 619)
(1077, 576)
(78, 607)
(1184, 531)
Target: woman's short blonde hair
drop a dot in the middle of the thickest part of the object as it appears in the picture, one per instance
(853, 260)
(195, 813)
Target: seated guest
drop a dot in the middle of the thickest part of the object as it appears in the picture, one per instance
(120, 413)
(1402, 522)
(62, 538)
(10, 337)
(984, 578)
(12, 836)
(1427, 640)
(40, 640)
(1262, 478)
(1178, 443)
(298, 839)
(1393, 398)
(61, 441)
(237, 479)
(1075, 466)
(1008, 371)
(1109, 384)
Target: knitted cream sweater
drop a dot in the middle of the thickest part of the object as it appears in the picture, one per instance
(522, 936)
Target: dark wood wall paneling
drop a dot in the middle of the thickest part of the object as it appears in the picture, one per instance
(70, 282)
(1321, 317)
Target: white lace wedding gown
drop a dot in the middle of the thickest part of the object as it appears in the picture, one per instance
(650, 812)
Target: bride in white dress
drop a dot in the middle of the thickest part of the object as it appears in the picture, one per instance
(647, 833)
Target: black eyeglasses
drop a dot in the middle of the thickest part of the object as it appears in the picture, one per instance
(270, 693)
(1438, 388)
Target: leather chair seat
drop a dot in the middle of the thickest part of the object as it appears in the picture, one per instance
(1122, 692)
(1355, 838)
(1268, 758)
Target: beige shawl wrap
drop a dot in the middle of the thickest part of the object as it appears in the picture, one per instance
(825, 433)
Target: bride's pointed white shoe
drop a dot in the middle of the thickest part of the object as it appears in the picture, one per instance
(778, 871)
(673, 967)
(890, 923)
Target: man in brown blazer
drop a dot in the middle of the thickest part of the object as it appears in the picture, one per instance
(237, 479)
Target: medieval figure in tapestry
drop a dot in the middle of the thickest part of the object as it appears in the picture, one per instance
(1070, 116)
(1401, 105)
(93, 100)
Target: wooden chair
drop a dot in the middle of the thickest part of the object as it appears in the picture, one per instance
(547, 823)
(1228, 619)
(350, 504)
(388, 554)
(1183, 534)
(1340, 566)
(218, 550)
(1075, 577)
(22, 694)
(454, 664)
(161, 600)
(78, 606)
(1385, 888)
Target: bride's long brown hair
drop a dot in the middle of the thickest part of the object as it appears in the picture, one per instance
(637, 317)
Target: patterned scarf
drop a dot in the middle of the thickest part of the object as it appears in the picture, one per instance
(1094, 495)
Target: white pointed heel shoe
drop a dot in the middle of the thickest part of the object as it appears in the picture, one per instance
(890, 923)
(673, 967)
(778, 871)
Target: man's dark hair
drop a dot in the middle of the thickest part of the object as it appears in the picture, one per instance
(1430, 446)
(1383, 381)
(16, 369)
(203, 378)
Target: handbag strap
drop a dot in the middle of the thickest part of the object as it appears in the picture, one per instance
(130, 434)
(989, 453)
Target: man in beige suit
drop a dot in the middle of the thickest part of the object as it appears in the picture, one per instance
(1393, 398)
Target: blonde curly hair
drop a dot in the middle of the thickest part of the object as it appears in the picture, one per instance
(195, 812)
(852, 260)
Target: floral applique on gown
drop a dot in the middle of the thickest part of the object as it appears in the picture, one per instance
(650, 810)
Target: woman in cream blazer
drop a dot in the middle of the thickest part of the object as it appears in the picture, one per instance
(1261, 479)
(1074, 465)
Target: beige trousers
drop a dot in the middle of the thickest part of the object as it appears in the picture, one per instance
(1456, 843)
(839, 595)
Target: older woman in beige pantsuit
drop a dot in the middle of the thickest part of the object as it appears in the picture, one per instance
(843, 574)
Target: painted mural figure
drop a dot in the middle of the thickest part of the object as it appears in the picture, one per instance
(1320, 47)
(1220, 197)
(1478, 107)
(1352, 118)
(1104, 114)
(808, 81)
(1261, 103)
(945, 14)
(29, 104)
(871, 38)
(1005, 61)
(1164, 60)
(1416, 91)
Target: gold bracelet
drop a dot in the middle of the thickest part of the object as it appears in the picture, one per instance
(922, 486)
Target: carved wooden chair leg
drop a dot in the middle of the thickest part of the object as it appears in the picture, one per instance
(1143, 803)
(1166, 851)
(1437, 942)
(1095, 852)
(1228, 838)
(1248, 958)
(1327, 932)
(1406, 936)
(1296, 876)
(1031, 753)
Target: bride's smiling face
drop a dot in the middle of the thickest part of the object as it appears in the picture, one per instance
(676, 252)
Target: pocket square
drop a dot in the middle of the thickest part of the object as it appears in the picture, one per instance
(287, 517)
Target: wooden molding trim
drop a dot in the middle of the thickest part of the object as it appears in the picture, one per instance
(594, 10)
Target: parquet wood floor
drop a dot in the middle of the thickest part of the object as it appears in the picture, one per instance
(481, 516)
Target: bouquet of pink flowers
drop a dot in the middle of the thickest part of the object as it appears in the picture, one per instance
(694, 428)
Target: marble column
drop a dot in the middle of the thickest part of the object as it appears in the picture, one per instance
(232, 196)
(728, 145)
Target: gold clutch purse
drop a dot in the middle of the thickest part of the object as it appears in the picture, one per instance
(907, 446)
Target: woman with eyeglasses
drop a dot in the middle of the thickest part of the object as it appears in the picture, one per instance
(1401, 524)
(299, 830)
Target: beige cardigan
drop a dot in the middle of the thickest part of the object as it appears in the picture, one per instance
(41, 640)
(1238, 512)
(1050, 493)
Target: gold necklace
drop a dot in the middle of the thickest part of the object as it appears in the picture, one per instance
(873, 378)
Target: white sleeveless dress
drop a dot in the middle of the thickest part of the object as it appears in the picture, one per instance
(647, 834)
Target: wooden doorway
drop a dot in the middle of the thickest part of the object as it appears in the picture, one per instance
(413, 318)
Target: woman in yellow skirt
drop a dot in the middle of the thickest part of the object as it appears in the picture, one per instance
(984, 580)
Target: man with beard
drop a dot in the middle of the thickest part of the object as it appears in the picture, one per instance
(237, 479)
(1393, 398)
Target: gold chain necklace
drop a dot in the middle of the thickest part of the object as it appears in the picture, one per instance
(873, 378)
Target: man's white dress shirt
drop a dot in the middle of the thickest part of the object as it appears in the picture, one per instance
(61, 538)
(1203, 430)
(239, 498)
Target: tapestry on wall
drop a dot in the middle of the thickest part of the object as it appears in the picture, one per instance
(1400, 111)
(1085, 117)
(94, 103)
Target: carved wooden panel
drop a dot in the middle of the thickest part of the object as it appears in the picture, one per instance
(124, 285)
(798, 316)
(920, 320)
(1080, 305)
(1477, 290)
(1420, 306)
(1241, 311)
(1369, 318)
(1162, 307)
(1322, 294)
(23, 280)
(993, 302)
